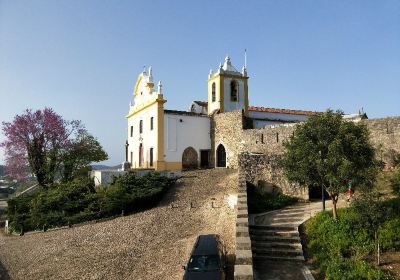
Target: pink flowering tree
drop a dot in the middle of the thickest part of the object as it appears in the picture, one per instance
(36, 142)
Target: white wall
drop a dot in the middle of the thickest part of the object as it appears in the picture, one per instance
(193, 131)
(214, 105)
(274, 118)
(148, 138)
(228, 104)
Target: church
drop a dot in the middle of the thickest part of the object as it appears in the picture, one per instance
(172, 140)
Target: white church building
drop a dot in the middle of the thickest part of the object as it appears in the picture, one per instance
(172, 140)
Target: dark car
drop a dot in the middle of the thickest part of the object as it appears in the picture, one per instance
(207, 260)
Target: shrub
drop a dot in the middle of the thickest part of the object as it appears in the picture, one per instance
(340, 246)
(350, 269)
(262, 202)
(395, 183)
(390, 234)
(78, 201)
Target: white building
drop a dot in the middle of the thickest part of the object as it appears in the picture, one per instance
(171, 140)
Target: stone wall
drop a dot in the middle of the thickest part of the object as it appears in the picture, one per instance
(385, 135)
(243, 254)
(262, 170)
(226, 129)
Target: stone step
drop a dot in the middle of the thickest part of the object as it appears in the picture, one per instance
(260, 258)
(276, 252)
(277, 245)
(289, 233)
(287, 219)
(289, 215)
(281, 239)
(284, 227)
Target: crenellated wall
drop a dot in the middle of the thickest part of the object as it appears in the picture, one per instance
(256, 151)
(385, 135)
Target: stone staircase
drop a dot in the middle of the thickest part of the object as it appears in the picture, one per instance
(275, 236)
(279, 243)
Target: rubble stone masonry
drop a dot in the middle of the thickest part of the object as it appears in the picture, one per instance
(261, 148)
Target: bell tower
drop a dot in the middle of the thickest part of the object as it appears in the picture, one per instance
(227, 88)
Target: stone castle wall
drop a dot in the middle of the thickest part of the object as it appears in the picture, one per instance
(385, 136)
(261, 148)
(263, 171)
(227, 129)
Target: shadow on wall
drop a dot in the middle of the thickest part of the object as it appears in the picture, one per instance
(3, 273)
(266, 187)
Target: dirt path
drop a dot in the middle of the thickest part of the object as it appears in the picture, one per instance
(150, 245)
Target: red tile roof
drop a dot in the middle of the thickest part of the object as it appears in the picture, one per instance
(201, 103)
(283, 111)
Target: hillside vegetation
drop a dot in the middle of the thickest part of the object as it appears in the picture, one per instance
(78, 201)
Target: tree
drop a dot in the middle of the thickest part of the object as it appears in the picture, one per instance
(370, 215)
(330, 152)
(82, 151)
(40, 139)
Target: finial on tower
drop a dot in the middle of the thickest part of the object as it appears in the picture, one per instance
(245, 59)
(210, 74)
(144, 69)
(159, 87)
(150, 72)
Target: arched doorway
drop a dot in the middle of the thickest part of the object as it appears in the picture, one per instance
(189, 158)
(221, 156)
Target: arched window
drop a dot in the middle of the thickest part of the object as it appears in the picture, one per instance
(141, 126)
(213, 92)
(234, 91)
(151, 123)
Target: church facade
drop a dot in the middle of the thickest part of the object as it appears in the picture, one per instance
(173, 140)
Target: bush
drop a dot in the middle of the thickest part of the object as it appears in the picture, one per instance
(395, 183)
(390, 235)
(340, 246)
(259, 202)
(78, 201)
(350, 269)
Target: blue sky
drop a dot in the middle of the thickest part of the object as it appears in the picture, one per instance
(82, 58)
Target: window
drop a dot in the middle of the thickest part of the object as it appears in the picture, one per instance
(234, 91)
(131, 158)
(151, 123)
(213, 92)
(131, 130)
(151, 157)
(140, 155)
(141, 126)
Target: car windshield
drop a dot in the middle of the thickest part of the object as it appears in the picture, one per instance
(203, 263)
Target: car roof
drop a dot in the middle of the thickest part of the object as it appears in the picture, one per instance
(206, 245)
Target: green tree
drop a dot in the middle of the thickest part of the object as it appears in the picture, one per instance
(82, 151)
(370, 215)
(328, 151)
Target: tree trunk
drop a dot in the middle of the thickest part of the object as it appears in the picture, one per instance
(334, 201)
(378, 251)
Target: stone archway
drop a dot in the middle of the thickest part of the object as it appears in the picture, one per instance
(190, 158)
(221, 156)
